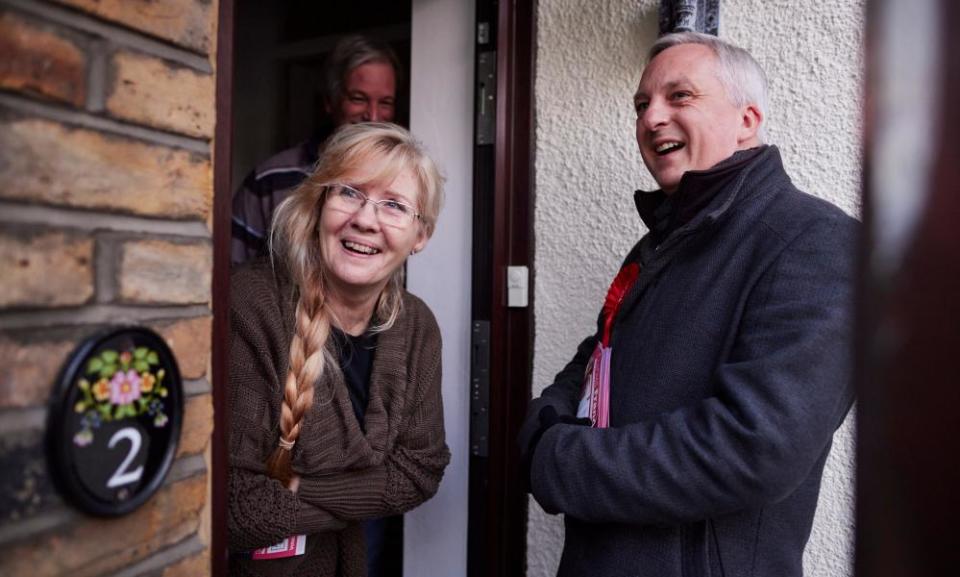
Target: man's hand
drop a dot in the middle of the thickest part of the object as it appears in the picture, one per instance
(548, 417)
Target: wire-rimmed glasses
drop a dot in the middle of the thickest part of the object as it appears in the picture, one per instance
(393, 213)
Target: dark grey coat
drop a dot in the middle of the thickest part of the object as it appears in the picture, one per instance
(730, 374)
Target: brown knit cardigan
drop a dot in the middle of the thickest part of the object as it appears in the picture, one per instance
(346, 475)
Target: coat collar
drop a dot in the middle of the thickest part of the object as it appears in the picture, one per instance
(736, 178)
(663, 213)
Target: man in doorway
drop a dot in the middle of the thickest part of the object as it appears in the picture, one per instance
(359, 85)
(688, 435)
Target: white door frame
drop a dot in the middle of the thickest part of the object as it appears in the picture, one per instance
(441, 116)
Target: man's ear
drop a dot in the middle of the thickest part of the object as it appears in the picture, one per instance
(751, 119)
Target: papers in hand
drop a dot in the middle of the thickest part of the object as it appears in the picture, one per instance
(595, 401)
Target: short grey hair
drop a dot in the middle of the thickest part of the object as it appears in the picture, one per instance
(739, 72)
(350, 53)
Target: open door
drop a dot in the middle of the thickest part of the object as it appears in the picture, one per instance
(471, 102)
(219, 358)
(268, 99)
(502, 309)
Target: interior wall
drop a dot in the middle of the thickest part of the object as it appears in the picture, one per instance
(441, 116)
(589, 59)
(255, 91)
(281, 50)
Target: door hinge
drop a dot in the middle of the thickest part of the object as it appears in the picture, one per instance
(486, 97)
(480, 388)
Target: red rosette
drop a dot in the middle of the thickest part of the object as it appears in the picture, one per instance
(618, 290)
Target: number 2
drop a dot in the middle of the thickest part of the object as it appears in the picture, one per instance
(121, 476)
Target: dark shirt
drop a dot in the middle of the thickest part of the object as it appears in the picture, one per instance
(355, 354)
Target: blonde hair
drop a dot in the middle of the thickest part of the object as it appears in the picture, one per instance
(372, 152)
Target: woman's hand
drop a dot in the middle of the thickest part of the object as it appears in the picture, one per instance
(294, 483)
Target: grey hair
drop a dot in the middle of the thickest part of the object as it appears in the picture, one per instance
(350, 53)
(739, 73)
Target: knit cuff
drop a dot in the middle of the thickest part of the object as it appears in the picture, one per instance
(350, 494)
(311, 519)
(261, 511)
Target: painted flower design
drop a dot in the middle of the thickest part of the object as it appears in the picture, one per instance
(147, 380)
(101, 390)
(91, 420)
(83, 438)
(129, 383)
(125, 387)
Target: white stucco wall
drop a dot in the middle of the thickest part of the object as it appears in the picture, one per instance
(589, 59)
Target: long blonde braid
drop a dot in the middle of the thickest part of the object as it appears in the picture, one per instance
(308, 359)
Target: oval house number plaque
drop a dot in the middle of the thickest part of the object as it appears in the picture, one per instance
(115, 421)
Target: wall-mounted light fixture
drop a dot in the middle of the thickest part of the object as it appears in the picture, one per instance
(689, 16)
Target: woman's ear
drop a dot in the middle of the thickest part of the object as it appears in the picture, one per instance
(422, 239)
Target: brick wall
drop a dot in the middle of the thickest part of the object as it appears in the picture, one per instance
(106, 127)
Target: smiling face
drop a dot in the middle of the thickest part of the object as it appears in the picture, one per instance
(361, 254)
(685, 118)
(369, 95)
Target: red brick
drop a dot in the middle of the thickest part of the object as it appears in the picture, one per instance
(45, 270)
(26, 489)
(162, 272)
(195, 566)
(36, 61)
(49, 163)
(197, 425)
(189, 339)
(95, 547)
(189, 23)
(28, 370)
(30, 361)
(150, 91)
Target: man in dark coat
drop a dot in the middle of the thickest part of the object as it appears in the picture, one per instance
(726, 341)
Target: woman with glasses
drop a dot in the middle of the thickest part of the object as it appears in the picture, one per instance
(336, 414)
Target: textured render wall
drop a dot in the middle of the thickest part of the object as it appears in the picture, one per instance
(589, 59)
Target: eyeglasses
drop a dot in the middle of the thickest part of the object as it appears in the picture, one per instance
(393, 213)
